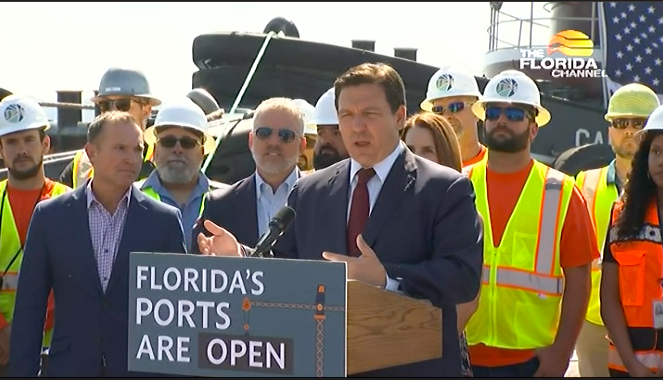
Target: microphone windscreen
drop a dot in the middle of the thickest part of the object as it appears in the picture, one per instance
(284, 217)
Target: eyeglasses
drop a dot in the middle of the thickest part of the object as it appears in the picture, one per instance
(511, 113)
(116, 104)
(637, 124)
(285, 135)
(452, 108)
(185, 142)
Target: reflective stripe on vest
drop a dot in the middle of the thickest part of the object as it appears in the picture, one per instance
(640, 260)
(10, 244)
(82, 168)
(520, 301)
(150, 192)
(599, 197)
(651, 359)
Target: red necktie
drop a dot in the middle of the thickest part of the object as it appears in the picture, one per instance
(359, 210)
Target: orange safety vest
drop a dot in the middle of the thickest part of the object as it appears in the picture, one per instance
(640, 262)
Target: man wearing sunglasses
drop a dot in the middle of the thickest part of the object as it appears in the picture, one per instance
(399, 221)
(451, 93)
(120, 89)
(628, 110)
(539, 243)
(276, 143)
(181, 142)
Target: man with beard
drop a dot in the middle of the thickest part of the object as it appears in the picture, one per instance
(276, 143)
(181, 141)
(628, 109)
(79, 244)
(538, 243)
(451, 93)
(23, 144)
(329, 147)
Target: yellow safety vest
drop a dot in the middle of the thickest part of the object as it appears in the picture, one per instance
(150, 192)
(599, 196)
(522, 282)
(10, 246)
(82, 168)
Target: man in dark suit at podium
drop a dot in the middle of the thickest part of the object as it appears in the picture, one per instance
(423, 237)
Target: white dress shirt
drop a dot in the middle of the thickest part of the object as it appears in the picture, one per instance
(374, 186)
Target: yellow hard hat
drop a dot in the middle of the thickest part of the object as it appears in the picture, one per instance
(635, 100)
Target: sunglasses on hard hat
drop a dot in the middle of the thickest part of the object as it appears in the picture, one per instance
(511, 113)
(636, 124)
(454, 107)
(185, 142)
(116, 104)
(285, 135)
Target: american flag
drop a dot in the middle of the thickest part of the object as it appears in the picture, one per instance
(633, 43)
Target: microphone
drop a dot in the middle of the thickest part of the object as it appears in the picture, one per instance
(279, 223)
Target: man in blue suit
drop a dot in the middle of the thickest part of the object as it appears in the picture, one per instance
(79, 245)
(399, 221)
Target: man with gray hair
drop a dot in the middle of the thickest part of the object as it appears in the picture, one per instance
(276, 141)
(181, 141)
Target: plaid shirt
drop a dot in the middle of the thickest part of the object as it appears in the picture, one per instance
(105, 231)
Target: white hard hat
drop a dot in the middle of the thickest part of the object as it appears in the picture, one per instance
(512, 86)
(20, 113)
(182, 113)
(325, 110)
(655, 120)
(449, 81)
(307, 110)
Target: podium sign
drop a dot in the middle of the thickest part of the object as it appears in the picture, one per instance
(236, 317)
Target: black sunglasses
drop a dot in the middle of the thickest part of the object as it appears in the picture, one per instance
(185, 142)
(454, 107)
(636, 124)
(285, 135)
(116, 104)
(511, 113)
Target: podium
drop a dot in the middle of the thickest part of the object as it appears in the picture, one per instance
(386, 329)
(251, 317)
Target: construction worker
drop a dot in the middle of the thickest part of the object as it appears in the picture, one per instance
(305, 162)
(538, 244)
(451, 93)
(631, 287)
(181, 141)
(329, 147)
(123, 90)
(23, 144)
(628, 110)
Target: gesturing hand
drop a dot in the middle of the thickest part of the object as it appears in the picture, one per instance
(366, 268)
(221, 243)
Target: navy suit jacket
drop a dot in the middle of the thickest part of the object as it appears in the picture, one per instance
(424, 227)
(233, 208)
(89, 324)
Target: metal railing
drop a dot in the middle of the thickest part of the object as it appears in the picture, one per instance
(526, 27)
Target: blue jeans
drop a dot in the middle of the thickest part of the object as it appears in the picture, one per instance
(525, 369)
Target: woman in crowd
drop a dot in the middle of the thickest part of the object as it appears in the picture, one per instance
(631, 286)
(430, 136)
